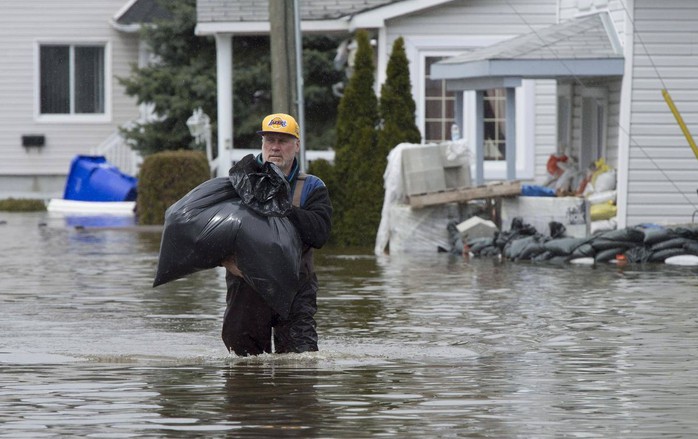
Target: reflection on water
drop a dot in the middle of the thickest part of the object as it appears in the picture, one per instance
(413, 346)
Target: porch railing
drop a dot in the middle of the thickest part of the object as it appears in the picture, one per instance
(118, 152)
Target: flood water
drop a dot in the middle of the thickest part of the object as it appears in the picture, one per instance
(422, 346)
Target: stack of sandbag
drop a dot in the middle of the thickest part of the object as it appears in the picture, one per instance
(661, 243)
(244, 216)
(608, 245)
(634, 244)
(511, 244)
(600, 191)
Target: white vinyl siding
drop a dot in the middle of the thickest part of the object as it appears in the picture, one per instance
(23, 27)
(662, 169)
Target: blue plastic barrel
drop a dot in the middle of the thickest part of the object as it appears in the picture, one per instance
(92, 178)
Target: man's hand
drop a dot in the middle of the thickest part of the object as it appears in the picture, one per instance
(231, 266)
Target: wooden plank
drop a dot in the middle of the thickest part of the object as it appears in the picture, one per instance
(461, 195)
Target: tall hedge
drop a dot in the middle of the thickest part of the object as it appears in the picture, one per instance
(397, 107)
(164, 178)
(358, 189)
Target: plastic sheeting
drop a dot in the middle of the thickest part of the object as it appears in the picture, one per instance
(244, 216)
(403, 228)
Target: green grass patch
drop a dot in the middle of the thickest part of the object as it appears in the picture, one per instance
(22, 205)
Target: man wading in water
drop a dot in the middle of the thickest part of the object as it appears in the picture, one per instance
(248, 319)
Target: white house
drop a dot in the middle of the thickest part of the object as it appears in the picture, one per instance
(616, 64)
(577, 76)
(58, 88)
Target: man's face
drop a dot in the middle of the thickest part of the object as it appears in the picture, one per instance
(280, 149)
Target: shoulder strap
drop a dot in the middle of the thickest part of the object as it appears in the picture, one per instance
(300, 181)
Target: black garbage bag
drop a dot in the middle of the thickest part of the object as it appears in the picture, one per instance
(214, 221)
(518, 230)
(557, 230)
(263, 188)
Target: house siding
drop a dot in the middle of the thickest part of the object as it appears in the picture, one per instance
(23, 25)
(662, 169)
(545, 127)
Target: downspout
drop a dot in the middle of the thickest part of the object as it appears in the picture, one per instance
(625, 119)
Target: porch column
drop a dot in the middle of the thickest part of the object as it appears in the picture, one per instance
(224, 75)
(479, 138)
(510, 147)
(458, 113)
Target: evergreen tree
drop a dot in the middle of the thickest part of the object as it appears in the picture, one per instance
(397, 107)
(182, 79)
(358, 191)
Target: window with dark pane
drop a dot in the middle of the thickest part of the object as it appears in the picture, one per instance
(438, 106)
(494, 119)
(72, 79)
(55, 79)
(89, 80)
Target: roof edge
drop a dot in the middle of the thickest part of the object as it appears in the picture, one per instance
(375, 18)
(263, 27)
(126, 28)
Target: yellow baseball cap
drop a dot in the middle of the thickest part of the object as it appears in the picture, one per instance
(280, 123)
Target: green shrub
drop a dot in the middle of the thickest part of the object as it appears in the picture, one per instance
(165, 177)
(322, 169)
(22, 205)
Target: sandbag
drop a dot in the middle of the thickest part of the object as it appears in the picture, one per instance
(583, 251)
(603, 211)
(688, 232)
(564, 246)
(691, 248)
(661, 255)
(608, 254)
(524, 248)
(215, 220)
(629, 234)
(654, 235)
(670, 243)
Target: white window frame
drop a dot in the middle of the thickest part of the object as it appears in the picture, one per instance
(419, 48)
(73, 118)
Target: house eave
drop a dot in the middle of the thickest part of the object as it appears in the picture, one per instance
(375, 18)
(263, 27)
(126, 28)
(471, 75)
(369, 19)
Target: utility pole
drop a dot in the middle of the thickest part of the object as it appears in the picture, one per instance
(286, 44)
(284, 95)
